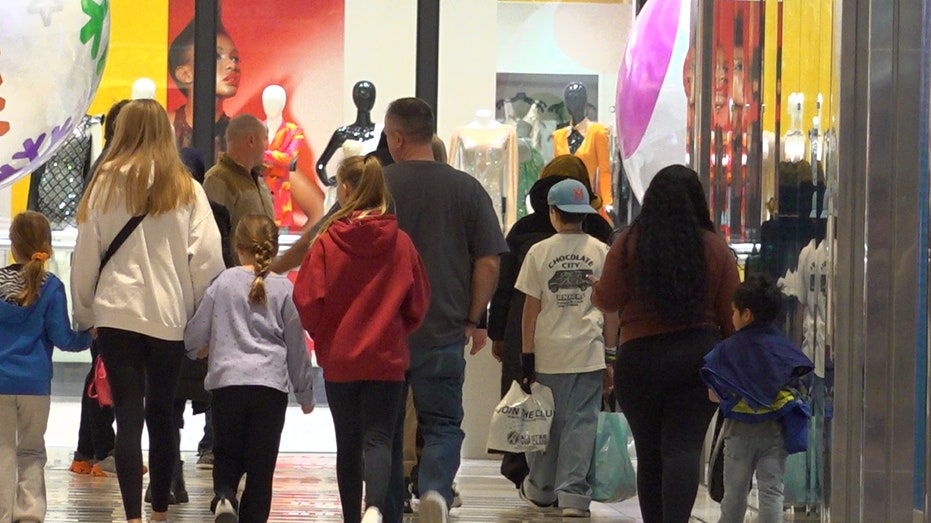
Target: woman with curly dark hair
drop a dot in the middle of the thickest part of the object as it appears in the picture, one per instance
(671, 277)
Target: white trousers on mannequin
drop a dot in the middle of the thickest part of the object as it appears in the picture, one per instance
(23, 457)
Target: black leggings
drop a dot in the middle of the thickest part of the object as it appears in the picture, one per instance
(143, 374)
(659, 388)
(365, 414)
(248, 420)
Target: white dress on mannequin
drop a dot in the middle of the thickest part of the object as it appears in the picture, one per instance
(488, 151)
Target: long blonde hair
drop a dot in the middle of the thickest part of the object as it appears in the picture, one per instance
(31, 236)
(257, 234)
(143, 145)
(366, 179)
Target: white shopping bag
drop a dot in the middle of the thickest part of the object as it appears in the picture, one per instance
(521, 422)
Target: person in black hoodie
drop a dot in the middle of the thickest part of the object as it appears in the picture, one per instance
(507, 304)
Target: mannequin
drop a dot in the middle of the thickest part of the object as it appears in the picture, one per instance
(524, 113)
(487, 150)
(284, 141)
(589, 141)
(143, 88)
(363, 130)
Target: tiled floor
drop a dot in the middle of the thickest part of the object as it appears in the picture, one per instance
(305, 482)
(305, 490)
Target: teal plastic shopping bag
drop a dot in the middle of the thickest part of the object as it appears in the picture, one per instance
(612, 476)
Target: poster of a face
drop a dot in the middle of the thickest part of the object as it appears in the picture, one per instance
(297, 44)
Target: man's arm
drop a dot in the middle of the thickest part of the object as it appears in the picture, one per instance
(484, 280)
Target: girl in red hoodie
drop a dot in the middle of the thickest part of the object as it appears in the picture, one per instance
(360, 291)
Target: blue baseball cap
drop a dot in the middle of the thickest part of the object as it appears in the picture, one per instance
(570, 196)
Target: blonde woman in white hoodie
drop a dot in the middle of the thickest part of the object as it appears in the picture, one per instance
(142, 298)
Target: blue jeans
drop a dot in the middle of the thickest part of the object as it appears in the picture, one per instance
(743, 455)
(435, 376)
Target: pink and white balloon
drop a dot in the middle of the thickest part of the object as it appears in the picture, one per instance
(651, 102)
(52, 56)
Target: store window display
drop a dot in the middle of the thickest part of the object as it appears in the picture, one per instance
(525, 114)
(356, 139)
(284, 141)
(589, 141)
(363, 130)
(487, 150)
(768, 175)
(181, 69)
(55, 187)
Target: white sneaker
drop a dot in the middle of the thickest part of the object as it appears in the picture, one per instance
(372, 515)
(570, 512)
(224, 512)
(433, 508)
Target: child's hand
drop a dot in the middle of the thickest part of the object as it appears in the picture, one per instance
(202, 353)
(307, 409)
(93, 332)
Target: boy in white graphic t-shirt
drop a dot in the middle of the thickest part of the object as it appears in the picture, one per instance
(564, 341)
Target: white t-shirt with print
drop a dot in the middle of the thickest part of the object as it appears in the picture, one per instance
(569, 333)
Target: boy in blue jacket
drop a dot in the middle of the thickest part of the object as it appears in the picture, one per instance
(33, 319)
(751, 374)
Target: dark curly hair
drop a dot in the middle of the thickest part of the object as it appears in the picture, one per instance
(670, 265)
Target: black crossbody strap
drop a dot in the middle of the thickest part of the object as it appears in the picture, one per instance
(120, 238)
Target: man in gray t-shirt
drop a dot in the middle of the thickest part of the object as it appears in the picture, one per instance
(452, 222)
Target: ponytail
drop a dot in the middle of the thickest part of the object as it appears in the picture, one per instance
(366, 179)
(31, 235)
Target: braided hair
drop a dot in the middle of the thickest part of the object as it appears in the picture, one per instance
(258, 235)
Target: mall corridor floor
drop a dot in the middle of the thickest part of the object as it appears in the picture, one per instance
(305, 490)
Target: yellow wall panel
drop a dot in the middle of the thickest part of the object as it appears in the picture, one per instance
(807, 27)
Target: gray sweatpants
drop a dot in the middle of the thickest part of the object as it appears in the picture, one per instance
(560, 473)
(22, 457)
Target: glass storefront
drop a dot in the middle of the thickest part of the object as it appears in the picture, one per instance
(763, 138)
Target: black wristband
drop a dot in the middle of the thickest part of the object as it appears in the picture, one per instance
(470, 323)
(483, 320)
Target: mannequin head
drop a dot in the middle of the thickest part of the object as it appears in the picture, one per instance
(363, 95)
(273, 101)
(143, 88)
(181, 62)
(576, 98)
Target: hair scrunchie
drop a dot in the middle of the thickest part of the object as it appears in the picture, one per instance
(39, 256)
